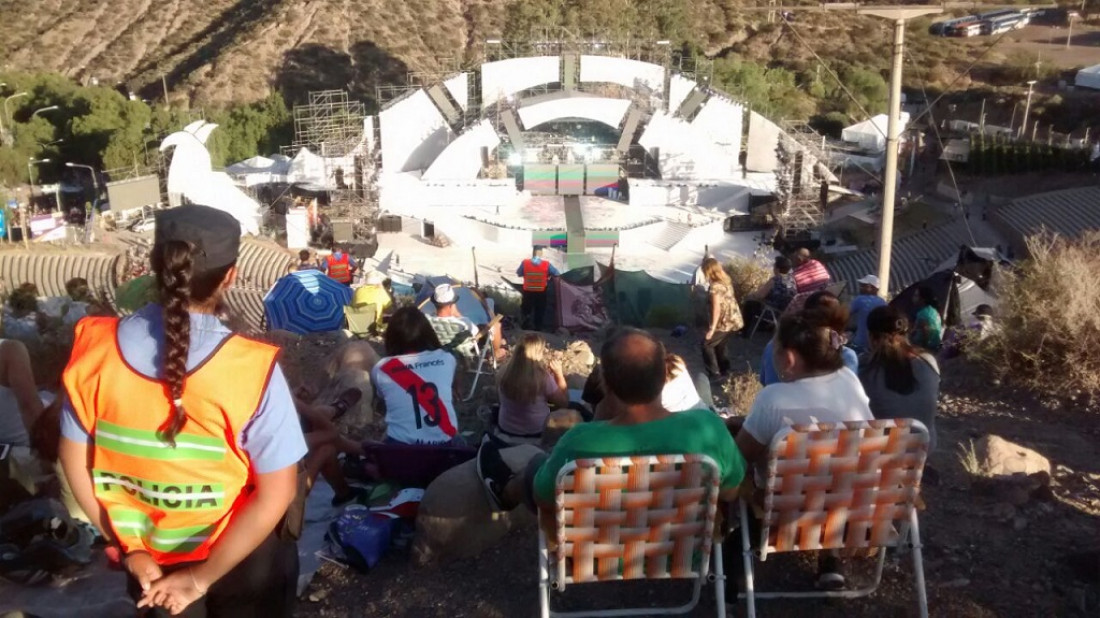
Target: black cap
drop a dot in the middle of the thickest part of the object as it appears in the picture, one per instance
(215, 234)
(983, 309)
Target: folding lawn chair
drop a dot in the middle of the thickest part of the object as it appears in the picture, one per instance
(628, 518)
(769, 314)
(361, 319)
(846, 485)
(455, 336)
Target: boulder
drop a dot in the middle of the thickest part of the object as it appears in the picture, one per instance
(455, 519)
(998, 457)
(581, 353)
(360, 415)
(358, 355)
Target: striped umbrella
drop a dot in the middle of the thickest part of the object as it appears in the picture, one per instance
(306, 301)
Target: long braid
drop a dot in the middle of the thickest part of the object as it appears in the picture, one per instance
(174, 280)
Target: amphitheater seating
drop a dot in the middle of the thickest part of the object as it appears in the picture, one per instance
(50, 271)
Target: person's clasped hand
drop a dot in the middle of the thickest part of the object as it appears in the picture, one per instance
(174, 592)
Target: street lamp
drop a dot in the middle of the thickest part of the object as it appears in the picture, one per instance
(3, 134)
(42, 146)
(95, 182)
(44, 109)
(1027, 106)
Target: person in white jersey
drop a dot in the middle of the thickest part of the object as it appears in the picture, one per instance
(414, 382)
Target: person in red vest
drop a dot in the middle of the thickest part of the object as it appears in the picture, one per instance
(339, 265)
(536, 273)
(180, 439)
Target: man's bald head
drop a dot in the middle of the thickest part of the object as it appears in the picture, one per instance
(802, 255)
(633, 365)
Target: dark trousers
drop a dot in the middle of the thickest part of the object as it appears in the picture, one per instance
(533, 308)
(714, 354)
(263, 585)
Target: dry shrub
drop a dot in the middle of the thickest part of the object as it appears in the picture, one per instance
(747, 273)
(741, 389)
(1049, 340)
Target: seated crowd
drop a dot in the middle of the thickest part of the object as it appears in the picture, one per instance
(644, 399)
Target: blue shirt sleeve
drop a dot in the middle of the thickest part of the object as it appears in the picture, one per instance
(554, 271)
(273, 438)
(767, 366)
(519, 270)
(70, 427)
(851, 359)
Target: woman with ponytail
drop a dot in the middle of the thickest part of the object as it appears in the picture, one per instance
(181, 440)
(901, 380)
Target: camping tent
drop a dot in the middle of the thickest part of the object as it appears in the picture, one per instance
(471, 303)
(1088, 77)
(960, 287)
(871, 134)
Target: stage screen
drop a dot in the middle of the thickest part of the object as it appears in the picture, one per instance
(540, 179)
(601, 178)
(570, 179)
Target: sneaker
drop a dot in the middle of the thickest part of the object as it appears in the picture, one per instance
(493, 473)
(829, 576)
(345, 401)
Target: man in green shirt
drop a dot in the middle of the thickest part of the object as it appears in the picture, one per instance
(633, 377)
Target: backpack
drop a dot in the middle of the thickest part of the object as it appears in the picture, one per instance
(361, 536)
(37, 538)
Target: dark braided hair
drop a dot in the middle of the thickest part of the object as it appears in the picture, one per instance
(180, 286)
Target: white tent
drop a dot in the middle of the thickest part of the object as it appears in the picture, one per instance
(251, 166)
(871, 134)
(307, 168)
(1089, 77)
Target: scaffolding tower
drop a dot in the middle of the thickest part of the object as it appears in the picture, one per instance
(799, 208)
(333, 127)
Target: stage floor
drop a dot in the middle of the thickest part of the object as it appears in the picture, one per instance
(547, 212)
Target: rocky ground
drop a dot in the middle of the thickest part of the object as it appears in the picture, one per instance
(992, 548)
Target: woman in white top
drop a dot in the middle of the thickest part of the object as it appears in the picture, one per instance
(529, 384)
(679, 394)
(815, 386)
(414, 383)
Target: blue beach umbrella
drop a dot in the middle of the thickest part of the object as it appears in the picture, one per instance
(306, 301)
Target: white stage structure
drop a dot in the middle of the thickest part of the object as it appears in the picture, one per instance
(433, 169)
(598, 109)
(191, 179)
(505, 78)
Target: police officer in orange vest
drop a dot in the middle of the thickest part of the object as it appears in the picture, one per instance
(536, 273)
(180, 439)
(339, 266)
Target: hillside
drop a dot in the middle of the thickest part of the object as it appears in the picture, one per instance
(215, 52)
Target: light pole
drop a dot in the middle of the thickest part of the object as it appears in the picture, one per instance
(31, 162)
(95, 182)
(1027, 106)
(44, 109)
(899, 15)
(7, 118)
(44, 145)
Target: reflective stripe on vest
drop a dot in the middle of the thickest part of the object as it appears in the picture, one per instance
(340, 269)
(173, 502)
(535, 275)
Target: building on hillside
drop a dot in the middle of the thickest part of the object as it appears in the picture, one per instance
(1069, 212)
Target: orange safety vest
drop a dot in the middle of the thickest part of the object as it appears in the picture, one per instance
(340, 269)
(535, 275)
(173, 502)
